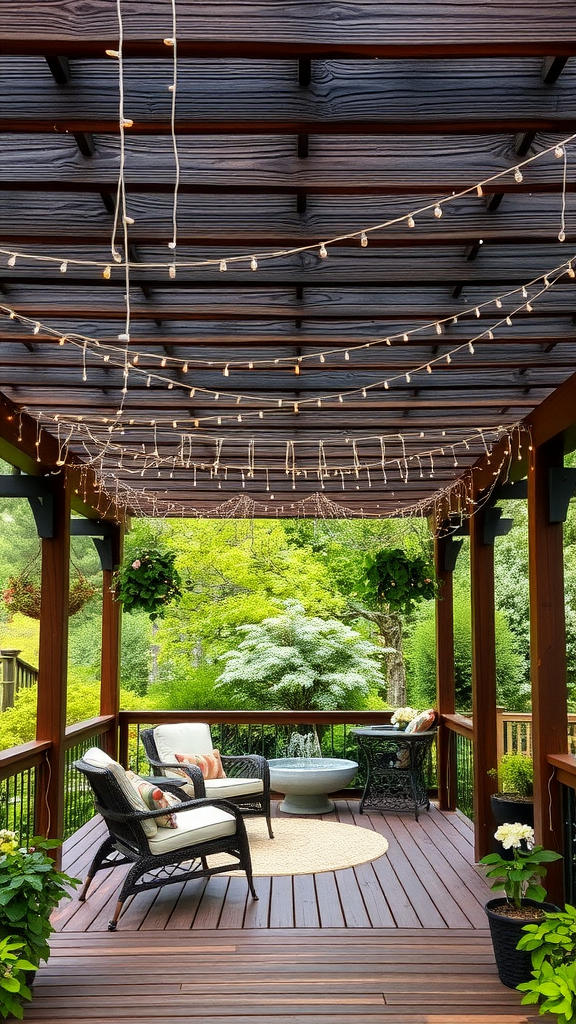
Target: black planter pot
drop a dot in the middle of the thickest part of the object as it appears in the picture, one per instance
(506, 809)
(514, 966)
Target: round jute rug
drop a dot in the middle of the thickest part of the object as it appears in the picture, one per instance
(304, 846)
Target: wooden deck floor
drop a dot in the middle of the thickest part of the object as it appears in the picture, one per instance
(402, 938)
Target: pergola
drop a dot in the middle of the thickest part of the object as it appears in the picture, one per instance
(281, 260)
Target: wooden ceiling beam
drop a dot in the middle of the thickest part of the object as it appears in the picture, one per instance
(505, 27)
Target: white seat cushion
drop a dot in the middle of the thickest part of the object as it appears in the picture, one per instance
(196, 825)
(228, 788)
(100, 759)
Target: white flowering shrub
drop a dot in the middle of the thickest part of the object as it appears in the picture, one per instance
(299, 663)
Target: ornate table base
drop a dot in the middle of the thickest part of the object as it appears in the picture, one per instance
(395, 760)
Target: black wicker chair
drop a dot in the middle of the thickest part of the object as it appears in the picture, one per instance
(127, 842)
(248, 776)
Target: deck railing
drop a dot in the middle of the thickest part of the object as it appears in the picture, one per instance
(15, 675)
(270, 733)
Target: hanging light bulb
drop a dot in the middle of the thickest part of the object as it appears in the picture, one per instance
(64, 267)
(571, 272)
(363, 239)
(561, 235)
(411, 222)
(106, 273)
(223, 265)
(253, 263)
(172, 271)
(559, 152)
(12, 260)
(471, 348)
(518, 176)
(498, 303)
(438, 211)
(479, 190)
(322, 251)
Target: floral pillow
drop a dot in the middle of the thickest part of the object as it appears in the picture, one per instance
(209, 764)
(425, 720)
(155, 799)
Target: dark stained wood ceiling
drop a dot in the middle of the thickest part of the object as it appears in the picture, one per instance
(373, 376)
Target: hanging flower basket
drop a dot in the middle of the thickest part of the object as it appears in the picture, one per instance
(148, 582)
(23, 595)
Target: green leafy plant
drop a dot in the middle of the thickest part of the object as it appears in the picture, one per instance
(554, 987)
(148, 582)
(519, 877)
(515, 775)
(30, 888)
(13, 970)
(398, 579)
(552, 944)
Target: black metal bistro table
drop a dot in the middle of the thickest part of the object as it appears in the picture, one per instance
(396, 762)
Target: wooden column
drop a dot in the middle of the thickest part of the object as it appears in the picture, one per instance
(547, 654)
(483, 682)
(445, 684)
(110, 657)
(52, 665)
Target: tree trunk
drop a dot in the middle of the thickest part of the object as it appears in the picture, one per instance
(391, 632)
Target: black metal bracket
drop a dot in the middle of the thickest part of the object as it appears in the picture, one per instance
(40, 498)
(495, 526)
(451, 551)
(562, 487)
(101, 533)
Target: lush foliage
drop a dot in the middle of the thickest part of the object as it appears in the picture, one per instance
(421, 659)
(148, 582)
(398, 579)
(30, 889)
(300, 663)
(520, 876)
(13, 969)
(516, 774)
(552, 943)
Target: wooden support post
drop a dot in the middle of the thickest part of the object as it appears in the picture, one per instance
(547, 654)
(52, 666)
(483, 682)
(445, 685)
(110, 658)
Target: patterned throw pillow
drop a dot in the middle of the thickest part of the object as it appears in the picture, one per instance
(425, 720)
(209, 764)
(155, 799)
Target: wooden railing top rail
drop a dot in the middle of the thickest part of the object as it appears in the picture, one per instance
(20, 759)
(91, 727)
(524, 716)
(565, 765)
(257, 717)
(460, 724)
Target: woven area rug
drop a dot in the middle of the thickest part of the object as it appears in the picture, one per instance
(303, 846)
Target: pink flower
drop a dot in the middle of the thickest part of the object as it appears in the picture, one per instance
(136, 564)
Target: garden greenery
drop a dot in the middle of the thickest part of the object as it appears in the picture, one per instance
(398, 579)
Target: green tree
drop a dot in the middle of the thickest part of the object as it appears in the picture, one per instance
(512, 691)
(300, 663)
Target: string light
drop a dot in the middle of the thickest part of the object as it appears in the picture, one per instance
(438, 211)
(253, 263)
(518, 176)
(364, 239)
(322, 251)
(411, 222)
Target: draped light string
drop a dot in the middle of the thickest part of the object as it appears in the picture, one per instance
(110, 353)
(252, 260)
(456, 498)
(194, 452)
(173, 88)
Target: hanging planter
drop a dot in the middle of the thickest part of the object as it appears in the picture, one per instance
(148, 582)
(23, 594)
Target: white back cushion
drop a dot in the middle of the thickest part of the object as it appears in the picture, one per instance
(100, 759)
(182, 738)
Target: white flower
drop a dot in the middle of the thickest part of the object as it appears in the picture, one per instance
(511, 836)
(403, 715)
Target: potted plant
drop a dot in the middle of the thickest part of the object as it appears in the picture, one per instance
(514, 799)
(148, 582)
(523, 900)
(30, 889)
(552, 946)
(23, 594)
(14, 970)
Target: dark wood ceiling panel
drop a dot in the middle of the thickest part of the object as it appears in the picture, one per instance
(280, 381)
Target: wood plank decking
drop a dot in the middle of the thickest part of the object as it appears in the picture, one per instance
(403, 938)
